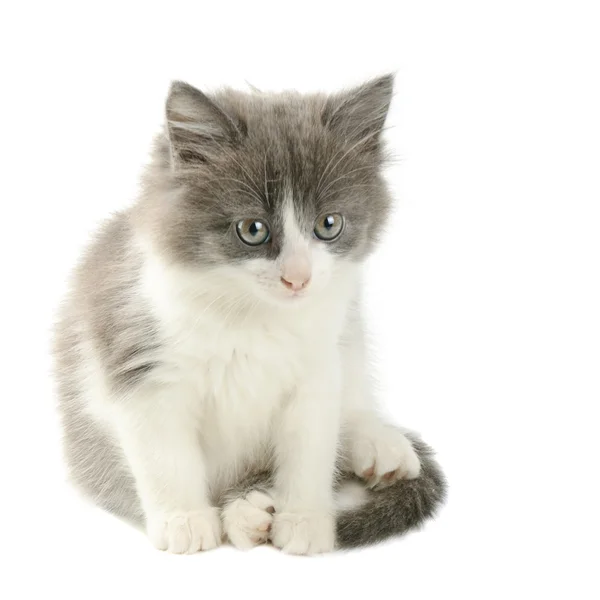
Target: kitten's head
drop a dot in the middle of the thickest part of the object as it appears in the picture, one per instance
(278, 192)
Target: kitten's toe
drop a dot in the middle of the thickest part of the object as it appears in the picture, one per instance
(368, 473)
(185, 532)
(385, 457)
(247, 521)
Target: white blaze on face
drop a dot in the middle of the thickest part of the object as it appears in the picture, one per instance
(295, 259)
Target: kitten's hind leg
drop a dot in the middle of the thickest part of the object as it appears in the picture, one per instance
(380, 453)
(373, 449)
(247, 512)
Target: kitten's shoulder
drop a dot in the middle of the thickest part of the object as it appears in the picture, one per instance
(105, 306)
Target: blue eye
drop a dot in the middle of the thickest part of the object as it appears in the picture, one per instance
(252, 232)
(329, 227)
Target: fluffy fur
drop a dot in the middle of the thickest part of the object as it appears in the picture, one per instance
(208, 387)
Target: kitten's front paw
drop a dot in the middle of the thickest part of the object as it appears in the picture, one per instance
(383, 456)
(247, 521)
(304, 532)
(185, 532)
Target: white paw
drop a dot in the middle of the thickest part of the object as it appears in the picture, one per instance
(304, 532)
(185, 532)
(247, 521)
(384, 455)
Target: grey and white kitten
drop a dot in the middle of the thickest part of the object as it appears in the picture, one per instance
(210, 357)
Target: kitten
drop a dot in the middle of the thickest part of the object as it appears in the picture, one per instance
(211, 358)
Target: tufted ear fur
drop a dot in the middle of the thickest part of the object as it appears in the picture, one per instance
(358, 115)
(197, 127)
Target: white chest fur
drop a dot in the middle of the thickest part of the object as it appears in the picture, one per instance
(237, 379)
(236, 365)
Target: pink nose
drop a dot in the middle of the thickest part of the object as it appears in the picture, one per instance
(295, 283)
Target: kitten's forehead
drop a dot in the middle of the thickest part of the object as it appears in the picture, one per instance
(288, 155)
(286, 147)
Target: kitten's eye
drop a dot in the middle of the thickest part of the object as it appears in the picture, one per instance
(328, 227)
(253, 232)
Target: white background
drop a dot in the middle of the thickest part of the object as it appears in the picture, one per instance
(484, 299)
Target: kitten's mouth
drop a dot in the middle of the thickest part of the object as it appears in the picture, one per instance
(295, 296)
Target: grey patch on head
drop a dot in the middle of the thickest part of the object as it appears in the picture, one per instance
(231, 155)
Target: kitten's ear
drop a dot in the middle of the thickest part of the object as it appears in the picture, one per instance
(358, 115)
(197, 127)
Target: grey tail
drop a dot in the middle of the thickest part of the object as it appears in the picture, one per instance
(397, 509)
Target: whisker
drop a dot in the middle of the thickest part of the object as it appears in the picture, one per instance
(250, 189)
(345, 175)
(346, 154)
(266, 184)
